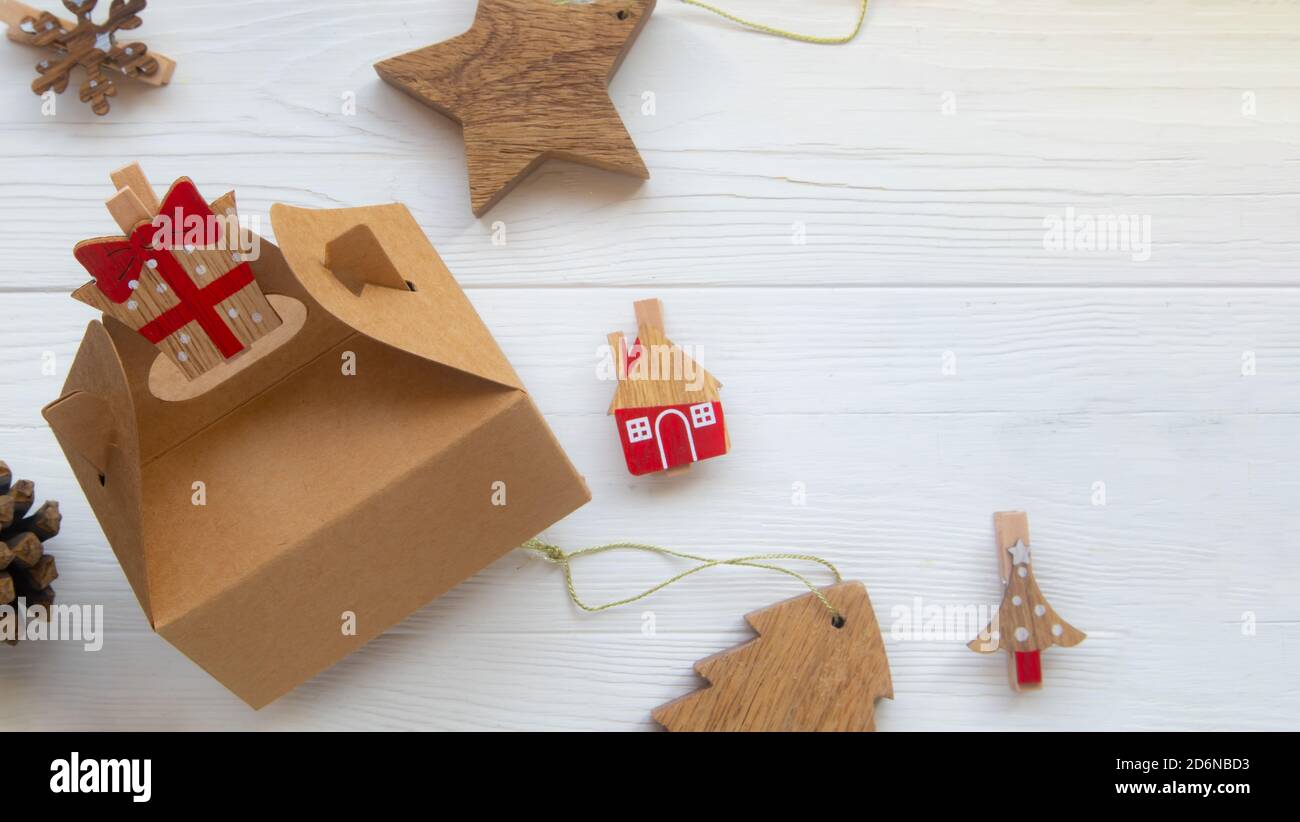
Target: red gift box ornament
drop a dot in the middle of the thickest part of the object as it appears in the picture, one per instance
(667, 408)
(179, 276)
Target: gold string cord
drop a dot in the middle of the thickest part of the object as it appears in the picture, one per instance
(556, 555)
(789, 35)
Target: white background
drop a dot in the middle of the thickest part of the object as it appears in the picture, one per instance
(924, 236)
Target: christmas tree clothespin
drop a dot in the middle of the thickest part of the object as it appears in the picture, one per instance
(88, 44)
(667, 408)
(529, 81)
(1025, 624)
(179, 276)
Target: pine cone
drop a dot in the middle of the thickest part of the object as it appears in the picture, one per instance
(26, 571)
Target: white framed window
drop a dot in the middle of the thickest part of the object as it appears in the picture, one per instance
(702, 414)
(638, 429)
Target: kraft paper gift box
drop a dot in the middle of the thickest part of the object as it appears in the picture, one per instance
(349, 461)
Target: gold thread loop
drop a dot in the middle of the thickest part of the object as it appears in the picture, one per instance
(789, 35)
(556, 555)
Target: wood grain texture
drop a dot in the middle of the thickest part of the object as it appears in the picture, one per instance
(132, 178)
(806, 671)
(664, 373)
(1025, 622)
(748, 137)
(189, 349)
(87, 44)
(528, 82)
(923, 236)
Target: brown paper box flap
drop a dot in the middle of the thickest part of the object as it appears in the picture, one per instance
(363, 489)
(160, 425)
(96, 384)
(435, 320)
(112, 372)
(381, 557)
(320, 450)
(151, 444)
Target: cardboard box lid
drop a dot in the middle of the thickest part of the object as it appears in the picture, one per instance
(434, 319)
(111, 424)
(435, 322)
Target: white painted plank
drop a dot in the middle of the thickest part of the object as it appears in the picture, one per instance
(870, 351)
(1128, 109)
(1159, 577)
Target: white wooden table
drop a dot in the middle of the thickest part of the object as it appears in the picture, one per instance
(918, 362)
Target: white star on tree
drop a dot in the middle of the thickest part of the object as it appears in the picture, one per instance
(1019, 553)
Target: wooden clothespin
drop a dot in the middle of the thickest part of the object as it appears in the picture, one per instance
(88, 44)
(668, 409)
(179, 276)
(1025, 624)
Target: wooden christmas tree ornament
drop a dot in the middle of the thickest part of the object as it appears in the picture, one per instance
(93, 46)
(667, 408)
(179, 276)
(1025, 624)
(530, 81)
(806, 671)
(26, 571)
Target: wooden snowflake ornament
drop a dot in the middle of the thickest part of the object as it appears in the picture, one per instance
(530, 81)
(667, 408)
(179, 276)
(806, 671)
(1025, 624)
(90, 45)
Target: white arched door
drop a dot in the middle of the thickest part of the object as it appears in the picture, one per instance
(659, 439)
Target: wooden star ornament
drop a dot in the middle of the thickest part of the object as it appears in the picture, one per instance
(530, 81)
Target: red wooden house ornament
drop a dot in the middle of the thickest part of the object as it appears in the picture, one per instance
(667, 408)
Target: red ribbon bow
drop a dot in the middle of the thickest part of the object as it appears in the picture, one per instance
(116, 265)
